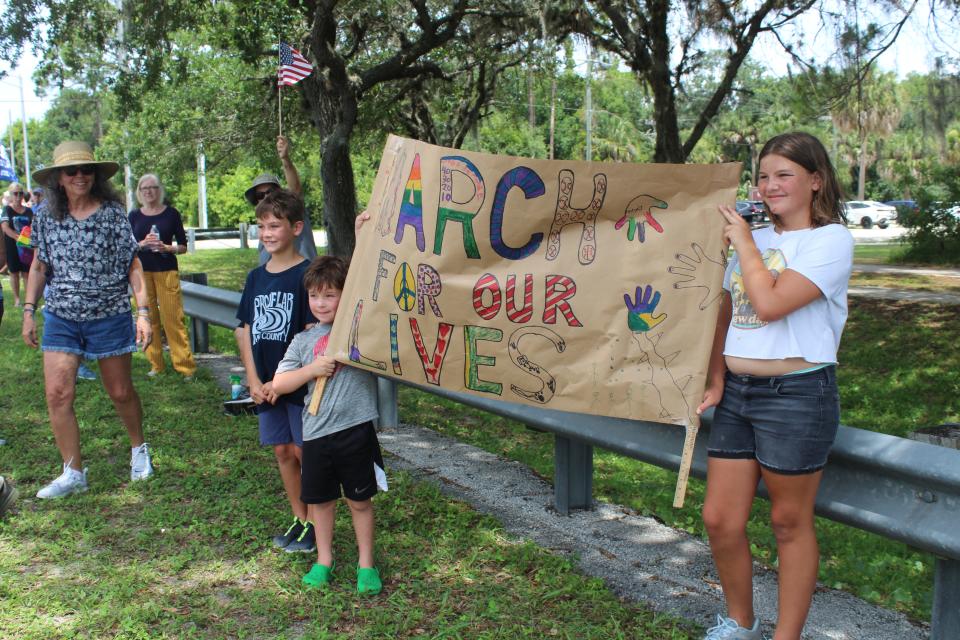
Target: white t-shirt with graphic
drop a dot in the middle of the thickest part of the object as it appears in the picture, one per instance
(824, 256)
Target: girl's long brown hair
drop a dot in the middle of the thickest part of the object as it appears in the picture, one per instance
(808, 152)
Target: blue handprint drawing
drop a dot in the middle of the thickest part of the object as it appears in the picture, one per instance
(641, 318)
(640, 310)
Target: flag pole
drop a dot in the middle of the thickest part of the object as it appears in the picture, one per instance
(279, 93)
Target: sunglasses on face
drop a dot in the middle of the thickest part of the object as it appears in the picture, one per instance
(260, 195)
(16, 193)
(85, 169)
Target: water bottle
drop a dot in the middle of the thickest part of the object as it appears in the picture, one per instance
(236, 388)
(156, 232)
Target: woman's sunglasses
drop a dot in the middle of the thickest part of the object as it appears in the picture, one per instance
(85, 169)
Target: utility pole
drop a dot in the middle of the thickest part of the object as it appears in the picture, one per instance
(588, 107)
(201, 187)
(26, 144)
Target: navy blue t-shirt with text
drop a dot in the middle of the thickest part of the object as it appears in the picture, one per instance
(276, 307)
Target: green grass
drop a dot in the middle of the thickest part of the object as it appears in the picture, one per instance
(212, 576)
(225, 269)
(887, 253)
(900, 370)
(913, 282)
(187, 554)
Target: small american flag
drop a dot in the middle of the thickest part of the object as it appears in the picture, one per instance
(293, 66)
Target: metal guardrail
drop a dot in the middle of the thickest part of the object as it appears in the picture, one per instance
(896, 488)
(215, 233)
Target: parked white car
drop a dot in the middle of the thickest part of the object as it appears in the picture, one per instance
(867, 213)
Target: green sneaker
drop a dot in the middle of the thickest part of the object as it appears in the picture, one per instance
(368, 581)
(319, 575)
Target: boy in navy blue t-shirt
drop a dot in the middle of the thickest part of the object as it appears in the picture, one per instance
(273, 309)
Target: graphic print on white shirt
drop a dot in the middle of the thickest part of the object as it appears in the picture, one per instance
(744, 315)
(272, 313)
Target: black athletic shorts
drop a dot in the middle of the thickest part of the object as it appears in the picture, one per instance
(340, 461)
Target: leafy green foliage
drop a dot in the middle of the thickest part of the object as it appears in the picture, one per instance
(935, 229)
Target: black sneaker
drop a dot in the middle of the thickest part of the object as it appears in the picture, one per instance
(290, 535)
(306, 542)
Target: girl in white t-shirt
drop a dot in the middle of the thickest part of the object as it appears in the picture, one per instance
(772, 379)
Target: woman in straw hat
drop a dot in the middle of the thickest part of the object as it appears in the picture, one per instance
(86, 255)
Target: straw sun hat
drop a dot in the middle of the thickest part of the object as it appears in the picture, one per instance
(75, 152)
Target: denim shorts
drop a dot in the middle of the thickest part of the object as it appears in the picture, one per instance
(787, 423)
(89, 339)
(280, 423)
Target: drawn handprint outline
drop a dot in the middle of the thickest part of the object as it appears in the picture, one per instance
(692, 276)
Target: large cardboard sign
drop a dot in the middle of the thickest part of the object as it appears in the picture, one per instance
(584, 287)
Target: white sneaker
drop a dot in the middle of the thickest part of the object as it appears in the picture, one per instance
(140, 465)
(728, 629)
(70, 481)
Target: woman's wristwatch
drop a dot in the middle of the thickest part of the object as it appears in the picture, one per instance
(29, 307)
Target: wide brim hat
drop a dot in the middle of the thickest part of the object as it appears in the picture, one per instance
(263, 178)
(71, 153)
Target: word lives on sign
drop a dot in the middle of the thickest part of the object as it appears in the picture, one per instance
(578, 286)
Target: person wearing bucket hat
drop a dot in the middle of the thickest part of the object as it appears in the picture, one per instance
(267, 183)
(86, 256)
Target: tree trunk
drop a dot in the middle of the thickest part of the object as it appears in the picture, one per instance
(333, 110)
(668, 146)
(862, 174)
(339, 195)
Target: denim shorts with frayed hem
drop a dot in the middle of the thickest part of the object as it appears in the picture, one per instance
(787, 423)
(89, 339)
(280, 423)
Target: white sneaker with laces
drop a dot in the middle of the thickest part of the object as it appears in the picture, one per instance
(70, 481)
(140, 466)
(728, 629)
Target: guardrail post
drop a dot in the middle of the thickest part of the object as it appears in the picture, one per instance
(572, 474)
(387, 402)
(945, 619)
(243, 235)
(199, 329)
(191, 240)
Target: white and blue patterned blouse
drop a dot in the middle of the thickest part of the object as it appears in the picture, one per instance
(88, 262)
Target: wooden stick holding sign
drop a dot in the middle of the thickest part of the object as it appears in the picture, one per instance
(317, 395)
(685, 461)
(319, 349)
